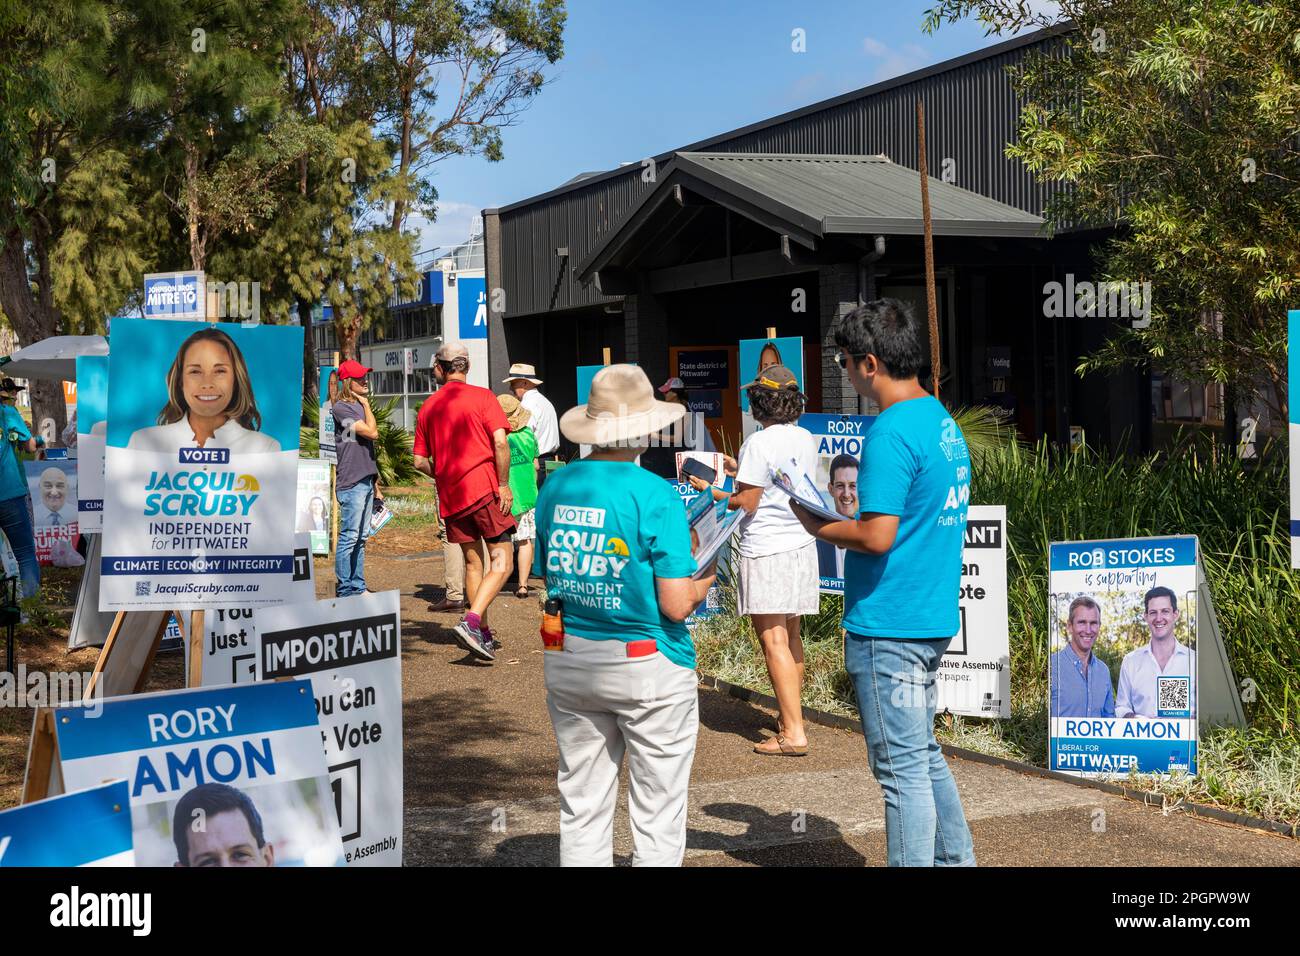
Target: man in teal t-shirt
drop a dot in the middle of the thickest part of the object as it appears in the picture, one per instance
(15, 512)
(902, 572)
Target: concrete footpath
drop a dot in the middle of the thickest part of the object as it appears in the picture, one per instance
(480, 774)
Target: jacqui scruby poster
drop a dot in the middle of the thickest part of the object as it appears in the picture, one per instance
(201, 466)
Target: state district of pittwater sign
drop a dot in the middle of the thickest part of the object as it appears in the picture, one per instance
(87, 828)
(975, 674)
(1122, 671)
(229, 776)
(351, 649)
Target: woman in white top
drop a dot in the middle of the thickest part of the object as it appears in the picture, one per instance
(778, 558)
(210, 401)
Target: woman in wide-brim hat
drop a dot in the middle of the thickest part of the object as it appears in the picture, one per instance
(614, 546)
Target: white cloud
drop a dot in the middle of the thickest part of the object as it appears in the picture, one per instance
(894, 61)
(455, 223)
(873, 47)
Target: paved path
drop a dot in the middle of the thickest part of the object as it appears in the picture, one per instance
(480, 775)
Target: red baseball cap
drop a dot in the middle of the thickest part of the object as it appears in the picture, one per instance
(351, 369)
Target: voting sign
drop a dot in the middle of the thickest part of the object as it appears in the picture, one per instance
(230, 633)
(974, 676)
(230, 776)
(87, 828)
(351, 649)
(52, 486)
(92, 425)
(1122, 670)
(201, 466)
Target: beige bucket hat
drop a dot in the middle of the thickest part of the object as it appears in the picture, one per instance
(621, 407)
(516, 415)
(520, 370)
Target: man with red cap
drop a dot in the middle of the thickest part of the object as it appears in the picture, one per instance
(355, 432)
(460, 439)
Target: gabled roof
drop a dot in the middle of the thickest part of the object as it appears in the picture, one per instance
(809, 197)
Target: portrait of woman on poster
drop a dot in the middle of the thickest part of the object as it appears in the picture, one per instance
(316, 517)
(768, 356)
(210, 401)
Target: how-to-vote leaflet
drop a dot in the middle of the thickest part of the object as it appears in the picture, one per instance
(201, 466)
(229, 776)
(1293, 412)
(1122, 672)
(351, 649)
(87, 828)
(329, 378)
(974, 677)
(92, 424)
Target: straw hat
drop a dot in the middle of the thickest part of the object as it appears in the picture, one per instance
(516, 415)
(621, 407)
(520, 370)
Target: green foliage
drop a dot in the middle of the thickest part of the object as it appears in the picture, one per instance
(393, 455)
(1175, 121)
(1241, 518)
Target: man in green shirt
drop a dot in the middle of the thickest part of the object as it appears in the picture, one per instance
(523, 485)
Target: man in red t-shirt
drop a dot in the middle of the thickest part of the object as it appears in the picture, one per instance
(460, 439)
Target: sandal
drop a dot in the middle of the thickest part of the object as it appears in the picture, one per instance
(785, 749)
(522, 592)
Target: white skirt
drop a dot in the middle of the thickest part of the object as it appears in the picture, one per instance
(784, 583)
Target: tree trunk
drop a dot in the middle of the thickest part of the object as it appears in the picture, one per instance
(34, 318)
(310, 371)
(347, 331)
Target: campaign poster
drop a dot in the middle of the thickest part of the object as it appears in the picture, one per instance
(201, 468)
(974, 677)
(329, 383)
(1293, 413)
(230, 633)
(712, 605)
(1122, 675)
(839, 456)
(92, 424)
(86, 828)
(758, 354)
(471, 307)
(53, 487)
(350, 648)
(229, 776)
(314, 501)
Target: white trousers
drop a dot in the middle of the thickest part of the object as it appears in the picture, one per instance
(604, 704)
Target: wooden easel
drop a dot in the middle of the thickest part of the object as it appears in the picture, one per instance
(193, 636)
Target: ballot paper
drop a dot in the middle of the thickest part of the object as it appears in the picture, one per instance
(794, 481)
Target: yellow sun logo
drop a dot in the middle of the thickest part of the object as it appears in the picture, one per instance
(247, 483)
(617, 546)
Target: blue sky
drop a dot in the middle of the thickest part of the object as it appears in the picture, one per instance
(638, 78)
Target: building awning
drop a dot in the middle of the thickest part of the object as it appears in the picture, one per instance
(808, 197)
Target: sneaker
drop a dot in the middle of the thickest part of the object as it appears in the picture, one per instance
(472, 640)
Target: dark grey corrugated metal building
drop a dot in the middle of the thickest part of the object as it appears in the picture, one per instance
(789, 223)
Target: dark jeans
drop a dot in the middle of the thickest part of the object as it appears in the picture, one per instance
(16, 523)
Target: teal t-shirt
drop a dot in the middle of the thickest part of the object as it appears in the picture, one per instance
(915, 465)
(605, 531)
(13, 481)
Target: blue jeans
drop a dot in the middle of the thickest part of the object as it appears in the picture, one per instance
(355, 504)
(895, 684)
(16, 522)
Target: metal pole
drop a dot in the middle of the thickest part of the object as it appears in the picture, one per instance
(931, 305)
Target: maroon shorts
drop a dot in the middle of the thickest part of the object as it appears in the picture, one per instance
(483, 521)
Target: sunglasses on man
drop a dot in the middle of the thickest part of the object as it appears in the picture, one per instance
(840, 355)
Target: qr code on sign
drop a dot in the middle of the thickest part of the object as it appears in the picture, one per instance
(1173, 696)
(142, 588)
